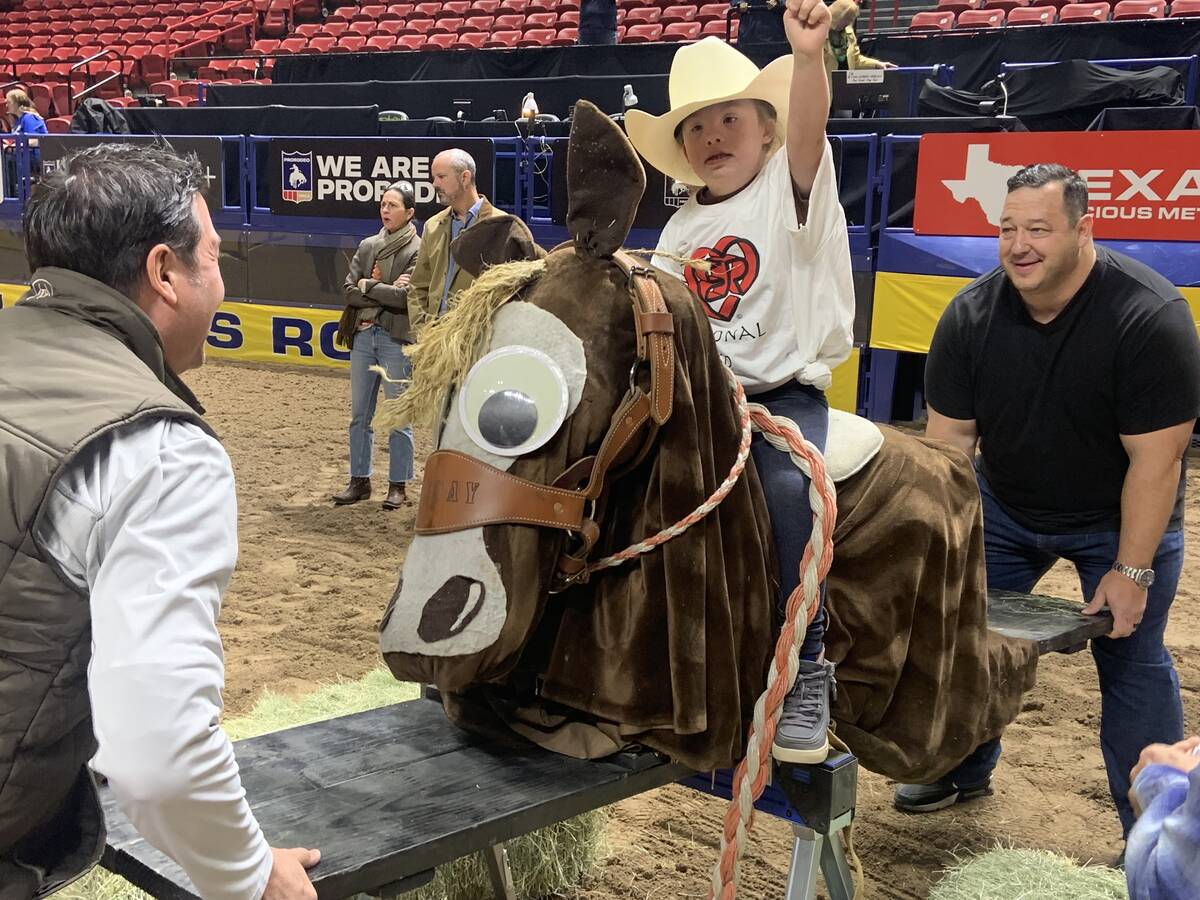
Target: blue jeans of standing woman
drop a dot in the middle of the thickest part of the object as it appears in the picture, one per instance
(786, 490)
(1139, 689)
(375, 347)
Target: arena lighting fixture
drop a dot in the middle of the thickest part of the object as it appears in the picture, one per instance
(529, 107)
(629, 98)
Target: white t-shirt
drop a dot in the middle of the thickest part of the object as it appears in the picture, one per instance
(144, 521)
(780, 296)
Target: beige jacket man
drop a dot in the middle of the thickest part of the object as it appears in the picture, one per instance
(433, 262)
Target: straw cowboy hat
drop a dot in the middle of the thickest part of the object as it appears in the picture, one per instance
(707, 72)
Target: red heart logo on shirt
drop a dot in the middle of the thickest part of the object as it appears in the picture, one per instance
(735, 267)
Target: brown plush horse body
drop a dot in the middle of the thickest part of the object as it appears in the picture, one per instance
(584, 409)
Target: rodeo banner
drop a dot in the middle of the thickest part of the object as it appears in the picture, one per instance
(207, 149)
(1142, 185)
(345, 178)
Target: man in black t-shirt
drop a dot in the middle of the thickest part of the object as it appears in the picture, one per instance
(1076, 372)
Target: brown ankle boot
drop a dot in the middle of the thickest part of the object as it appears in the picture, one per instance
(357, 489)
(396, 496)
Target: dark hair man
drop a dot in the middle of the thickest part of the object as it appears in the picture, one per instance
(1077, 372)
(118, 536)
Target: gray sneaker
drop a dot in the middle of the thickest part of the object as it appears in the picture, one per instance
(925, 798)
(803, 733)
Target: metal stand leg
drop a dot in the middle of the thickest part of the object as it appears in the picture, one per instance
(495, 858)
(838, 878)
(806, 851)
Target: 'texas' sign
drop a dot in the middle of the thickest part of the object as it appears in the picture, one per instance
(1142, 185)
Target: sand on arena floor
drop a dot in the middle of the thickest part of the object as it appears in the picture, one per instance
(313, 579)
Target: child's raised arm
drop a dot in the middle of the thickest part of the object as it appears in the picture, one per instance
(806, 23)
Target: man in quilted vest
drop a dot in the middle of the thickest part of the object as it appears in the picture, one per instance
(118, 536)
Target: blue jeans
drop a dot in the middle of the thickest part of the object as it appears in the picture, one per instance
(375, 347)
(1139, 690)
(786, 490)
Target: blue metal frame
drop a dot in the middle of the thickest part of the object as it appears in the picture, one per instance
(1192, 70)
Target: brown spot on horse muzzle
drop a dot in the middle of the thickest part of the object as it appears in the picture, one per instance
(451, 609)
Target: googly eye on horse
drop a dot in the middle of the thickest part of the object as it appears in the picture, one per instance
(580, 406)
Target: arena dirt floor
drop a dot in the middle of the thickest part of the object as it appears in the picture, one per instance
(313, 579)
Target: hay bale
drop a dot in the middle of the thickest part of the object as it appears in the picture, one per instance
(1008, 873)
(543, 862)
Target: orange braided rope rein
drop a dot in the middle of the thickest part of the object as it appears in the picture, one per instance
(751, 774)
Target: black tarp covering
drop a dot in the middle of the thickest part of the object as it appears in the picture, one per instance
(977, 54)
(525, 62)
(1170, 118)
(422, 99)
(333, 121)
(1064, 96)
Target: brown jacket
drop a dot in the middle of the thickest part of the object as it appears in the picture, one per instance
(77, 359)
(393, 256)
(433, 262)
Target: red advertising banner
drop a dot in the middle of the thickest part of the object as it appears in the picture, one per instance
(1142, 185)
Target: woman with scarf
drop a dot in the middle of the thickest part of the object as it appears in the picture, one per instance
(375, 327)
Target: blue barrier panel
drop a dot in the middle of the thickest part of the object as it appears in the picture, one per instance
(333, 184)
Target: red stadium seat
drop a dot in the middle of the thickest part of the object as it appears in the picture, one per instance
(275, 23)
(419, 26)
(335, 29)
(542, 6)
(717, 28)
(59, 125)
(344, 13)
(176, 101)
(1006, 5)
(381, 42)
(471, 39)
(292, 45)
(931, 20)
(1084, 12)
(643, 33)
(1057, 4)
(446, 26)
(682, 31)
(1033, 15)
(957, 6)
(509, 23)
(477, 23)
(566, 37)
(981, 18)
(352, 42)
(321, 44)
(568, 18)
(711, 12)
(1139, 9)
(645, 16)
(410, 42)
(266, 45)
(1185, 9)
(308, 31)
(678, 14)
(458, 8)
(166, 88)
(427, 10)
(503, 39)
(392, 26)
(541, 20)
(400, 10)
(366, 29)
(485, 7)
(537, 37)
(442, 41)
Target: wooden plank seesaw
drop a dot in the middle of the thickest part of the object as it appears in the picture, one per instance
(390, 794)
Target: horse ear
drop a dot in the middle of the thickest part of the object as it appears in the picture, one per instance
(497, 239)
(605, 182)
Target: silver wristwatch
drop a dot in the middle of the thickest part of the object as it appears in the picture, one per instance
(1143, 578)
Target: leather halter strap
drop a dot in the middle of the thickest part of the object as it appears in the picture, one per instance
(461, 492)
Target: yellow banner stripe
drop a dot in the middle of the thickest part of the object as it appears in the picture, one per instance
(907, 308)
